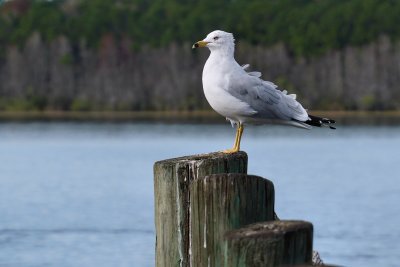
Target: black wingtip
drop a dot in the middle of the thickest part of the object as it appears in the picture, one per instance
(319, 122)
(329, 121)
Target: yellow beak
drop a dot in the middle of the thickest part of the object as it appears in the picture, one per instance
(200, 44)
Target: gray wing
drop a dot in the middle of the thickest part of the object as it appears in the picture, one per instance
(265, 98)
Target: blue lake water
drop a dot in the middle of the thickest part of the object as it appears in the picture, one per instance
(81, 194)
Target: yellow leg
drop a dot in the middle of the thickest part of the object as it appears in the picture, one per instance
(233, 150)
(241, 128)
(236, 145)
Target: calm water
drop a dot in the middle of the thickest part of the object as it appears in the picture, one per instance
(81, 194)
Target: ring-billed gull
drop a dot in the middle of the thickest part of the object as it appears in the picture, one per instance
(243, 97)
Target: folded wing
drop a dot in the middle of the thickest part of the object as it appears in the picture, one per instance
(265, 97)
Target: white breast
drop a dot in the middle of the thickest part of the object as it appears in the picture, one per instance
(215, 80)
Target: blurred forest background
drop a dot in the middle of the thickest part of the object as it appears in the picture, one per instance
(136, 54)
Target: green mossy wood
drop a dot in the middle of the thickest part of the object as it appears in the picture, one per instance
(171, 188)
(209, 212)
(223, 202)
(268, 244)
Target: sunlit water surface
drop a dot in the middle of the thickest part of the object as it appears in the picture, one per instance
(81, 194)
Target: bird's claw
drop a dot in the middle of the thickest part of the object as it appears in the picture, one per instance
(230, 151)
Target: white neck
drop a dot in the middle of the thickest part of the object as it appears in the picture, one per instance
(226, 51)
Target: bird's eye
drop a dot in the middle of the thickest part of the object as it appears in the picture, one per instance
(216, 38)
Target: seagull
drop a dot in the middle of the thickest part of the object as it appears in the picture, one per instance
(242, 96)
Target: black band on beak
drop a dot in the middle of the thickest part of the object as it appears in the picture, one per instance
(200, 44)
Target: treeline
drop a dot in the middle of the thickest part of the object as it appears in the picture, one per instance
(306, 27)
(135, 54)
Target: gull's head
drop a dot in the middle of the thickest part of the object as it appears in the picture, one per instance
(217, 40)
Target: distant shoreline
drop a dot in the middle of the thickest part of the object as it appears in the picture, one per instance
(198, 116)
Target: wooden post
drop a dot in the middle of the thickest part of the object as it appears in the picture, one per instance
(171, 182)
(223, 202)
(269, 244)
(200, 200)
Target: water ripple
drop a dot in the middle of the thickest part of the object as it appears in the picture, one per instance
(75, 231)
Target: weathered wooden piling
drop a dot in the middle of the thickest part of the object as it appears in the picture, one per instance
(269, 244)
(223, 202)
(171, 182)
(199, 202)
